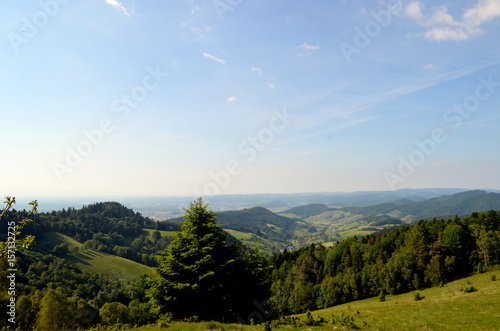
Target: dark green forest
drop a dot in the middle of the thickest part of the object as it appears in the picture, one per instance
(409, 257)
(203, 264)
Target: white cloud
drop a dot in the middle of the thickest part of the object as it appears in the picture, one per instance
(195, 9)
(213, 58)
(444, 34)
(414, 10)
(307, 47)
(120, 6)
(199, 32)
(231, 99)
(257, 70)
(442, 26)
(428, 66)
(271, 85)
(484, 11)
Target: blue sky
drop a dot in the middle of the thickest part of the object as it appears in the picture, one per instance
(108, 97)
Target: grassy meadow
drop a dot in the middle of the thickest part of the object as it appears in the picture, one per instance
(93, 260)
(442, 308)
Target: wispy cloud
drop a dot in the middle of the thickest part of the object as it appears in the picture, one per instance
(316, 119)
(484, 120)
(213, 58)
(428, 66)
(442, 26)
(231, 99)
(307, 49)
(257, 70)
(197, 31)
(345, 124)
(119, 5)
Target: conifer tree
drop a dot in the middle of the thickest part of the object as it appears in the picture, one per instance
(202, 276)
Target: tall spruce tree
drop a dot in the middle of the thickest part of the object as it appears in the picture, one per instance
(203, 277)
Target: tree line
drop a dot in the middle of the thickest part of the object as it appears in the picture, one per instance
(402, 259)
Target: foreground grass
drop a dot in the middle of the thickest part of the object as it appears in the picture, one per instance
(201, 326)
(443, 308)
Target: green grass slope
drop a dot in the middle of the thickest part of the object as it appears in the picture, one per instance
(55, 238)
(95, 261)
(149, 233)
(107, 264)
(443, 308)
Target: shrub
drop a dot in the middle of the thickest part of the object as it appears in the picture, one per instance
(214, 326)
(469, 289)
(381, 296)
(493, 277)
(418, 297)
(345, 320)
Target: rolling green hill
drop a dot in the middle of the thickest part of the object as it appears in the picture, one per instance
(274, 232)
(306, 211)
(93, 260)
(463, 203)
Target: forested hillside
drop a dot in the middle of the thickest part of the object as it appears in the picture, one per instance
(428, 253)
(272, 231)
(108, 227)
(62, 271)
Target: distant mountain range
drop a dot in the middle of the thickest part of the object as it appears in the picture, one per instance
(169, 207)
(322, 222)
(463, 203)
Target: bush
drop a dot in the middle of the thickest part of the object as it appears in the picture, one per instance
(469, 289)
(493, 277)
(418, 297)
(214, 326)
(381, 296)
(346, 320)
